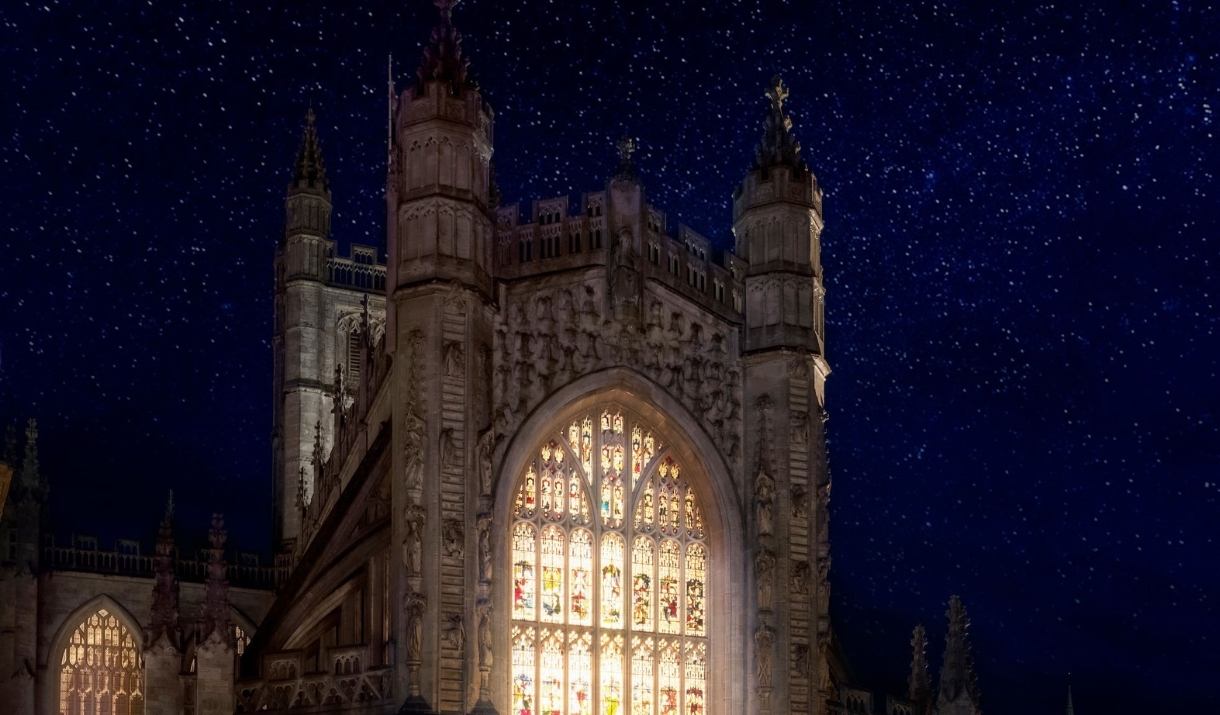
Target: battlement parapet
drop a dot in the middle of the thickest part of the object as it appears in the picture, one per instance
(126, 558)
(556, 240)
(360, 270)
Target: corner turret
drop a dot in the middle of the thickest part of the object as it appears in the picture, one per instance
(306, 212)
(777, 222)
(437, 190)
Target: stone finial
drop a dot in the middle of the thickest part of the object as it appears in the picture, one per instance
(165, 584)
(442, 60)
(626, 147)
(778, 146)
(919, 685)
(958, 692)
(214, 616)
(1070, 710)
(309, 172)
(30, 477)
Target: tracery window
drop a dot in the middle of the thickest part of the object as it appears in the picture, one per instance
(609, 576)
(100, 671)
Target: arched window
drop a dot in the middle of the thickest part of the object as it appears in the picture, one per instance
(100, 672)
(609, 573)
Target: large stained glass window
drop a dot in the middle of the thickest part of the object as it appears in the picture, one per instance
(100, 670)
(610, 572)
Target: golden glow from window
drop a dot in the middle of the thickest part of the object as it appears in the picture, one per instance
(100, 670)
(609, 575)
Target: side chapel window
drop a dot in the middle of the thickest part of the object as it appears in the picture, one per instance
(609, 565)
(100, 671)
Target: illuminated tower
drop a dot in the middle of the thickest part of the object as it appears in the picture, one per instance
(299, 375)
(439, 285)
(777, 223)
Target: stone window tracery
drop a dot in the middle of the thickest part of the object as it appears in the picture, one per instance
(609, 575)
(100, 669)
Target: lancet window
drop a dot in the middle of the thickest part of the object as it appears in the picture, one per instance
(100, 669)
(609, 575)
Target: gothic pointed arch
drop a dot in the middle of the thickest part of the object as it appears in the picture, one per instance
(97, 658)
(622, 552)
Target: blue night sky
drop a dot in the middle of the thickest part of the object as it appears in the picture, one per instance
(1021, 252)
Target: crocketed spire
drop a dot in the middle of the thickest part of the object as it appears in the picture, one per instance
(959, 692)
(309, 172)
(778, 146)
(442, 60)
(165, 587)
(214, 617)
(919, 685)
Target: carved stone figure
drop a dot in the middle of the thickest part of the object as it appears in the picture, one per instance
(800, 502)
(453, 536)
(485, 555)
(455, 359)
(799, 424)
(764, 502)
(483, 612)
(485, 447)
(413, 550)
(764, 569)
(800, 577)
(449, 450)
(413, 453)
(764, 638)
(802, 660)
(415, 626)
(455, 631)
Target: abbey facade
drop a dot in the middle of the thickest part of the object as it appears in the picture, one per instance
(557, 460)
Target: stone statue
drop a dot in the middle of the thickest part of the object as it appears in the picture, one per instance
(455, 359)
(485, 448)
(449, 455)
(415, 626)
(485, 555)
(800, 502)
(455, 631)
(483, 611)
(800, 577)
(453, 536)
(413, 521)
(764, 490)
(764, 637)
(413, 452)
(764, 567)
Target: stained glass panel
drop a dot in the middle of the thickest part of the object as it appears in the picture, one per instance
(523, 670)
(696, 563)
(644, 510)
(527, 495)
(550, 680)
(607, 576)
(611, 674)
(696, 677)
(100, 669)
(641, 676)
(669, 618)
(580, 675)
(578, 505)
(552, 575)
(581, 565)
(642, 583)
(523, 571)
(669, 679)
(612, 580)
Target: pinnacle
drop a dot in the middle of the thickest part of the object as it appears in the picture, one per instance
(958, 685)
(442, 60)
(778, 146)
(309, 172)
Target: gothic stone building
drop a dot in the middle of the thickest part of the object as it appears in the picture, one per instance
(569, 461)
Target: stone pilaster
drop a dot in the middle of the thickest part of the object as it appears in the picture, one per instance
(215, 661)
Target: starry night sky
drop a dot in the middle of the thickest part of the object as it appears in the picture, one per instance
(1021, 246)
